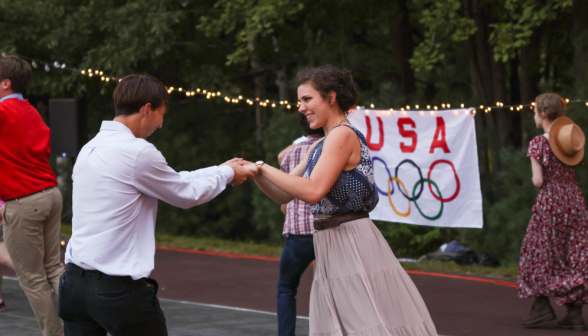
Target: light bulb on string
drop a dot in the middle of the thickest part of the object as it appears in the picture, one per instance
(416, 106)
(83, 72)
(47, 68)
(448, 105)
(428, 107)
(443, 105)
(34, 64)
(462, 105)
(107, 79)
(435, 108)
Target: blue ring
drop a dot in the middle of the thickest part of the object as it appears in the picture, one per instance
(384, 193)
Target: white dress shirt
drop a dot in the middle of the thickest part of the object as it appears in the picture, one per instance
(117, 180)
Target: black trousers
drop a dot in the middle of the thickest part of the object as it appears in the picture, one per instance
(92, 303)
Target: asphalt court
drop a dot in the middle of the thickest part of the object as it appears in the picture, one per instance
(183, 318)
(204, 294)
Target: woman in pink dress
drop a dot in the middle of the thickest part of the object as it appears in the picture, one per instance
(554, 253)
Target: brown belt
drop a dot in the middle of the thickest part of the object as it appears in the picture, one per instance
(332, 222)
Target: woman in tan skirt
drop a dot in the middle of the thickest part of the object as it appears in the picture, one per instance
(359, 287)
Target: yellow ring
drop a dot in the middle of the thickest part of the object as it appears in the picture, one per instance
(390, 198)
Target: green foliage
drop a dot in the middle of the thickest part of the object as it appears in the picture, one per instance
(443, 27)
(283, 129)
(249, 20)
(223, 45)
(524, 17)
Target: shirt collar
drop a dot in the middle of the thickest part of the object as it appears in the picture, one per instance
(111, 125)
(14, 95)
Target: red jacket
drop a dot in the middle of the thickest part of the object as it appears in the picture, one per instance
(24, 150)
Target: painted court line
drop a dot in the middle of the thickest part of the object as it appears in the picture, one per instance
(243, 256)
(228, 308)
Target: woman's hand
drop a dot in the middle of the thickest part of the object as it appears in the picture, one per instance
(252, 167)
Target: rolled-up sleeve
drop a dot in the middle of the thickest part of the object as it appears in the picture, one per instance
(185, 189)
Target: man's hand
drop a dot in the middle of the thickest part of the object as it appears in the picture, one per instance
(241, 173)
(235, 160)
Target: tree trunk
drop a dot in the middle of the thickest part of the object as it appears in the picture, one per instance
(402, 47)
(580, 38)
(487, 76)
(281, 80)
(530, 76)
(260, 111)
(515, 134)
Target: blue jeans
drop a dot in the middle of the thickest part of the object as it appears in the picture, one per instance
(297, 255)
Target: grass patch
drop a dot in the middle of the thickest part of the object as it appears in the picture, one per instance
(206, 244)
(509, 272)
(218, 245)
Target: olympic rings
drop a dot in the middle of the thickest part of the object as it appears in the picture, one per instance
(389, 175)
(457, 184)
(414, 198)
(421, 182)
(431, 182)
(406, 214)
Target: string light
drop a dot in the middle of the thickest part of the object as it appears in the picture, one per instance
(91, 72)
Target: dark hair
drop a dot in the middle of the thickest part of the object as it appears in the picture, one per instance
(327, 78)
(135, 91)
(552, 104)
(306, 127)
(17, 70)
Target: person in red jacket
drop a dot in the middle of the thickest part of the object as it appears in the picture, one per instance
(32, 212)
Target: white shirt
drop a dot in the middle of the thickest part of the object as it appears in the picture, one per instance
(117, 180)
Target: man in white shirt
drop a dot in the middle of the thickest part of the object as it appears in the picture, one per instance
(117, 180)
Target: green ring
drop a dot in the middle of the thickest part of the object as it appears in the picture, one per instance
(438, 191)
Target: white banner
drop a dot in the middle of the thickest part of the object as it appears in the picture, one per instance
(425, 166)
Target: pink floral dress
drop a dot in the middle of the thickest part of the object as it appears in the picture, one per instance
(554, 253)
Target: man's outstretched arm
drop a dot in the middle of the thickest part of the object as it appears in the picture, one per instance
(155, 178)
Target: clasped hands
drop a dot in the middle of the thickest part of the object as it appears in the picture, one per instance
(243, 170)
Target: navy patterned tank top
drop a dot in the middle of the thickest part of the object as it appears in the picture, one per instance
(354, 190)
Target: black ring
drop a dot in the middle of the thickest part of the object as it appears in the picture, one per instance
(420, 174)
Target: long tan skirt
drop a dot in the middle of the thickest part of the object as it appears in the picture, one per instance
(360, 288)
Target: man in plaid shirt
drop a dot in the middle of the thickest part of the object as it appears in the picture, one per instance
(298, 230)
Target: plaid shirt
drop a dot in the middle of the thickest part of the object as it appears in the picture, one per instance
(299, 219)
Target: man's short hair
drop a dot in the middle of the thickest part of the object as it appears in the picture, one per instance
(17, 70)
(135, 91)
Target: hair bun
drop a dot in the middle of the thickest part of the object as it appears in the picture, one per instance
(327, 78)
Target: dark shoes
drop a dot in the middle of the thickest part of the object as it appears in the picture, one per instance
(541, 311)
(573, 319)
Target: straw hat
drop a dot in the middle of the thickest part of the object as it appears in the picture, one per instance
(567, 141)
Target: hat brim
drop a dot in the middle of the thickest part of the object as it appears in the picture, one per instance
(568, 160)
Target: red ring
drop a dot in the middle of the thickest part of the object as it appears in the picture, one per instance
(456, 180)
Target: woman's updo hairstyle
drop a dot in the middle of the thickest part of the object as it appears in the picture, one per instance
(327, 78)
(551, 104)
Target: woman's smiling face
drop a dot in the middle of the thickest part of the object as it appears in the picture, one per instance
(313, 105)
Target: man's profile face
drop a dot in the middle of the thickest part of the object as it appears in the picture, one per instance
(152, 119)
